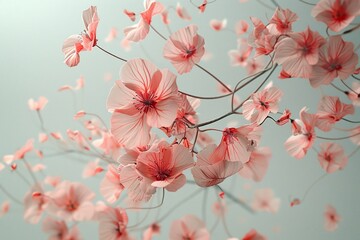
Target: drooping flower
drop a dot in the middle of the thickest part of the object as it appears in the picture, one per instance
(112, 224)
(303, 135)
(37, 105)
(140, 30)
(299, 52)
(34, 206)
(211, 169)
(145, 97)
(261, 103)
(184, 49)
(110, 186)
(257, 165)
(85, 41)
(336, 14)
(336, 59)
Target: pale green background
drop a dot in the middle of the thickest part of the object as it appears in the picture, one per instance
(32, 33)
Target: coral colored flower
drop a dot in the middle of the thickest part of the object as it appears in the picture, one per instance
(218, 25)
(285, 118)
(58, 230)
(140, 30)
(240, 56)
(164, 167)
(354, 95)
(184, 49)
(74, 44)
(112, 35)
(261, 103)
(330, 111)
(282, 20)
(202, 7)
(303, 136)
(238, 143)
(332, 218)
(257, 165)
(108, 144)
(253, 235)
(336, 14)
(264, 200)
(37, 105)
(112, 224)
(337, 59)
(154, 229)
(20, 154)
(211, 169)
(92, 169)
(4, 209)
(145, 97)
(110, 186)
(299, 52)
(241, 27)
(254, 65)
(71, 201)
(182, 13)
(332, 157)
(188, 227)
(131, 15)
(261, 39)
(34, 206)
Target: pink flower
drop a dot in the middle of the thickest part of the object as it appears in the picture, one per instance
(37, 105)
(336, 14)
(241, 27)
(337, 59)
(110, 186)
(112, 224)
(238, 143)
(140, 30)
(332, 157)
(184, 49)
(299, 52)
(4, 208)
(182, 13)
(74, 44)
(131, 15)
(34, 206)
(71, 201)
(257, 165)
(20, 154)
(303, 136)
(188, 227)
(218, 25)
(354, 95)
(282, 20)
(240, 56)
(164, 167)
(211, 169)
(261, 39)
(264, 200)
(154, 229)
(145, 97)
(253, 235)
(58, 230)
(332, 218)
(332, 110)
(261, 103)
(92, 169)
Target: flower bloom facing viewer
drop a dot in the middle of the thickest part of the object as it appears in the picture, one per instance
(261, 103)
(164, 167)
(71, 201)
(145, 97)
(264, 200)
(332, 218)
(112, 224)
(336, 14)
(332, 157)
(184, 49)
(336, 59)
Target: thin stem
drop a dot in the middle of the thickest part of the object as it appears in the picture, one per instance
(347, 86)
(213, 76)
(41, 121)
(312, 4)
(196, 136)
(100, 119)
(205, 98)
(353, 152)
(122, 59)
(337, 88)
(350, 121)
(158, 33)
(351, 29)
(275, 3)
(10, 195)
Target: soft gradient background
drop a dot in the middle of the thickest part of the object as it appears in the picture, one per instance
(32, 33)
